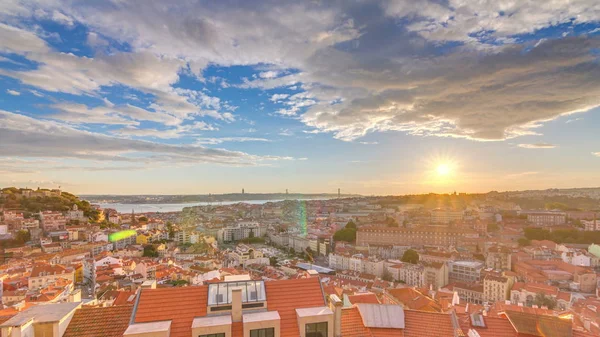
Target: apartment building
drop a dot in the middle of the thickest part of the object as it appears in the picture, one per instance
(52, 221)
(498, 257)
(546, 218)
(357, 262)
(465, 271)
(44, 274)
(241, 231)
(496, 288)
(245, 255)
(446, 216)
(234, 308)
(408, 273)
(435, 274)
(418, 236)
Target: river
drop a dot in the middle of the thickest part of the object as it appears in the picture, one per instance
(146, 208)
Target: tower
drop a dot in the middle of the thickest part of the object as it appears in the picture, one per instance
(243, 192)
(286, 191)
(339, 193)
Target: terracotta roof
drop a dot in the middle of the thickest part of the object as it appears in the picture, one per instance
(286, 295)
(413, 299)
(99, 322)
(539, 325)
(494, 326)
(363, 298)
(181, 305)
(429, 324)
(352, 326)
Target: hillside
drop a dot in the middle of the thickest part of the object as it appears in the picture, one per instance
(13, 198)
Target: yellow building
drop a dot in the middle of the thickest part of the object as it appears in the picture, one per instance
(142, 239)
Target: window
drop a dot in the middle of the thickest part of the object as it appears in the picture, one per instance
(213, 335)
(316, 329)
(266, 332)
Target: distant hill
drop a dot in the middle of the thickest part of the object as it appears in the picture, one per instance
(178, 199)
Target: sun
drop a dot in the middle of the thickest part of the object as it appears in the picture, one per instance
(443, 169)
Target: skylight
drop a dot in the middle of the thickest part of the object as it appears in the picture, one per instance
(252, 291)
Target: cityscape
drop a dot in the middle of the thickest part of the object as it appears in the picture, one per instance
(312, 168)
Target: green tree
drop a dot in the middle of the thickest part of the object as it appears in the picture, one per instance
(273, 261)
(410, 256)
(492, 227)
(391, 222)
(351, 224)
(150, 251)
(387, 276)
(542, 300)
(143, 219)
(523, 242)
(23, 236)
(346, 234)
(171, 230)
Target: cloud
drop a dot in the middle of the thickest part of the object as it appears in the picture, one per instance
(537, 146)
(268, 74)
(22, 136)
(13, 92)
(213, 141)
(447, 69)
(573, 120)
(285, 132)
(369, 143)
(597, 154)
(278, 97)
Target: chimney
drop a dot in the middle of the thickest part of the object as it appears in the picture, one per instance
(336, 306)
(236, 305)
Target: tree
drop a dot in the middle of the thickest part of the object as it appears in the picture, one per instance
(492, 227)
(524, 242)
(391, 222)
(273, 261)
(143, 219)
(410, 256)
(23, 236)
(387, 276)
(171, 230)
(542, 300)
(150, 251)
(351, 224)
(346, 234)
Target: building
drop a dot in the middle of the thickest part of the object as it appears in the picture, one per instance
(525, 294)
(468, 292)
(499, 258)
(52, 221)
(99, 321)
(497, 288)
(242, 230)
(43, 274)
(418, 236)
(546, 218)
(446, 216)
(357, 262)
(408, 273)
(245, 255)
(237, 308)
(76, 215)
(49, 320)
(435, 274)
(465, 271)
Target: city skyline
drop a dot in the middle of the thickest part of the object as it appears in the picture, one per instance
(374, 98)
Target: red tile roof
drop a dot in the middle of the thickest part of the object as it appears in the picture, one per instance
(363, 298)
(99, 322)
(286, 295)
(427, 324)
(181, 305)
(494, 326)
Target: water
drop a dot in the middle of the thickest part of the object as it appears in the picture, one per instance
(153, 208)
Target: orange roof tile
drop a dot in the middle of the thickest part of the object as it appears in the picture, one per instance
(286, 295)
(180, 305)
(363, 298)
(427, 324)
(99, 322)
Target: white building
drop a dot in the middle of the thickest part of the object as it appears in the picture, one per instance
(241, 230)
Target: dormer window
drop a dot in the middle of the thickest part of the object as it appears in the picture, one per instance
(316, 329)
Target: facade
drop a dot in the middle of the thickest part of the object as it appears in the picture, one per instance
(409, 274)
(499, 258)
(547, 219)
(465, 271)
(419, 236)
(445, 216)
(435, 274)
(52, 221)
(241, 231)
(469, 292)
(356, 262)
(44, 274)
(496, 288)
(245, 255)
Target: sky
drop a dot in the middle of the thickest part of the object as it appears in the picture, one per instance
(372, 97)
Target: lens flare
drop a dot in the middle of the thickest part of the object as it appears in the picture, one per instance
(121, 235)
